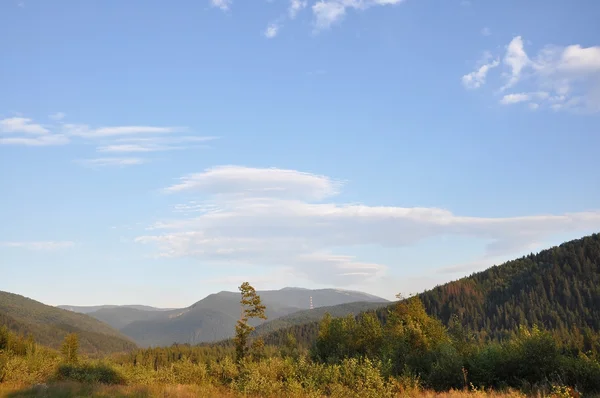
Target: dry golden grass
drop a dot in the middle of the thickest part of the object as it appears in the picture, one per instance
(191, 391)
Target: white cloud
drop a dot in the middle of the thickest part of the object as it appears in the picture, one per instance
(167, 140)
(23, 131)
(222, 4)
(104, 162)
(296, 6)
(516, 58)
(58, 116)
(42, 245)
(271, 30)
(486, 31)
(258, 182)
(117, 139)
(477, 78)
(562, 78)
(515, 98)
(275, 217)
(44, 140)
(124, 148)
(85, 131)
(21, 125)
(328, 12)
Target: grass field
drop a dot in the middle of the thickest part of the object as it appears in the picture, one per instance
(188, 391)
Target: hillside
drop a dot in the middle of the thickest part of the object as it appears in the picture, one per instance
(213, 318)
(49, 325)
(558, 289)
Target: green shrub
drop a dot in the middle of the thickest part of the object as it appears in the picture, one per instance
(89, 373)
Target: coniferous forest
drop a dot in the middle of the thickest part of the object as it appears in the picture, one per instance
(527, 327)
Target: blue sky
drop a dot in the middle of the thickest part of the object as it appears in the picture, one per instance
(155, 152)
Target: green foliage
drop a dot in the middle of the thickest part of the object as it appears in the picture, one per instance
(70, 349)
(251, 308)
(89, 373)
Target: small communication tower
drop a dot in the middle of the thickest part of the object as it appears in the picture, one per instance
(311, 304)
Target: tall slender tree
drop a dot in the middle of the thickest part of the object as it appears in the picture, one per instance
(251, 307)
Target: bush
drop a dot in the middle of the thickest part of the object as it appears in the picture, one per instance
(89, 373)
(582, 372)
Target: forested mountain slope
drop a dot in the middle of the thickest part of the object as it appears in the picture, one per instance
(49, 325)
(557, 289)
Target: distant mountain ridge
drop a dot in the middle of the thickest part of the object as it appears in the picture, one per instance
(214, 317)
(49, 325)
(94, 308)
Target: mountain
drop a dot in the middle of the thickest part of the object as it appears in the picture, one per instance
(119, 317)
(214, 317)
(89, 309)
(557, 289)
(49, 325)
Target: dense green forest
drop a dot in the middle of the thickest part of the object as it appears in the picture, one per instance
(557, 289)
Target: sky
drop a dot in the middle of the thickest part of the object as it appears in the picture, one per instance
(155, 152)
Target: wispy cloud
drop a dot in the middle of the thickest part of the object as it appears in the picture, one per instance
(477, 78)
(44, 140)
(22, 125)
(486, 31)
(222, 4)
(121, 148)
(102, 132)
(57, 116)
(111, 139)
(328, 12)
(295, 7)
(556, 77)
(271, 30)
(274, 216)
(516, 59)
(40, 245)
(515, 98)
(107, 162)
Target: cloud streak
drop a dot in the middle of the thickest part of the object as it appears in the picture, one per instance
(107, 162)
(39, 245)
(21, 131)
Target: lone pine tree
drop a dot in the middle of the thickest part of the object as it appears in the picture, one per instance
(251, 307)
